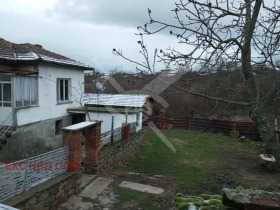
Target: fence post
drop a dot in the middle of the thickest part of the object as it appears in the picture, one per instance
(112, 130)
(93, 137)
(73, 139)
(126, 130)
(25, 173)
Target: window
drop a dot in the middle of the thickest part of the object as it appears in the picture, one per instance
(26, 91)
(5, 94)
(63, 90)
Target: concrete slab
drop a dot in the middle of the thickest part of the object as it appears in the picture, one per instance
(141, 187)
(76, 203)
(96, 187)
(86, 179)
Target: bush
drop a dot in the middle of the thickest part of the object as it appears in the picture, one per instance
(183, 206)
(215, 202)
(205, 196)
(218, 197)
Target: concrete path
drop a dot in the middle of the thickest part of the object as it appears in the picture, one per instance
(95, 188)
(98, 195)
(85, 200)
(141, 187)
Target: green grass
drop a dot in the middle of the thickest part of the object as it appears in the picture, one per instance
(199, 157)
(144, 201)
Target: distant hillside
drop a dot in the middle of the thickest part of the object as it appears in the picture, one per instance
(222, 84)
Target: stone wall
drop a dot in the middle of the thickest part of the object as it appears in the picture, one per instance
(114, 154)
(49, 194)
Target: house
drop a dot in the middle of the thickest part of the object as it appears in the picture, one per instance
(37, 87)
(115, 109)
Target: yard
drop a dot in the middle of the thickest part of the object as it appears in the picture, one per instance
(203, 163)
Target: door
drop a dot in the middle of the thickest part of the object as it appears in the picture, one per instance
(6, 117)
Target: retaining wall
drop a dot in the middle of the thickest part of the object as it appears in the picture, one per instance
(114, 154)
(49, 194)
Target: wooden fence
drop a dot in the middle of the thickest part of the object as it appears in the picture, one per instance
(246, 129)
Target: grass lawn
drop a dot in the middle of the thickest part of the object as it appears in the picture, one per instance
(203, 163)
(202, 160)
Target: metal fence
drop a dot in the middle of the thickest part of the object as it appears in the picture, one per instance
(22, 175)
(133, 127)
(115, 135)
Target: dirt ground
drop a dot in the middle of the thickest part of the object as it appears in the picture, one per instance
(162, 201)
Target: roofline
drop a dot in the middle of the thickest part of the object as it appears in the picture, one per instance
(81, 110)
(113, 106)
(40, 61)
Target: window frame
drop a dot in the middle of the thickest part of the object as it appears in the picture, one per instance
(2, 95)
(33, 91)
(66, 96)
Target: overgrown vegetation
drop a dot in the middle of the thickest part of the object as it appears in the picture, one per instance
(202, 202)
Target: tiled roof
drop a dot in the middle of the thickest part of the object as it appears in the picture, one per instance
(119, 100)
(12, 52)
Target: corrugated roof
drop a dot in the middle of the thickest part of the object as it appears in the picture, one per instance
(12, 52)
(120, 100)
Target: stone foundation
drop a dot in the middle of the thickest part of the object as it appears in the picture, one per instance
(49, 194)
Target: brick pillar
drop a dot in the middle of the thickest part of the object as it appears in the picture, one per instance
(73, 139)
(92, 144)
(125, 131)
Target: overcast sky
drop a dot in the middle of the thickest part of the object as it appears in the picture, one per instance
(85, 30)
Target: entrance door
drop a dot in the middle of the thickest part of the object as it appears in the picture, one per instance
(77, 118)
(6, 101)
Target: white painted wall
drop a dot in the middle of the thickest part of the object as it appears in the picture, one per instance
(119, 118)
(48, 107)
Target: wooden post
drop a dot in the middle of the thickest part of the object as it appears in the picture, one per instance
(112, 130)
(276, 128)
(126, 115)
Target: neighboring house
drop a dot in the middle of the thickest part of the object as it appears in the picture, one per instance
(36, 89)
(120, 108)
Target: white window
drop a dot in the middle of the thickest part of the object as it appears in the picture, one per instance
(25, 91)
(63, 90)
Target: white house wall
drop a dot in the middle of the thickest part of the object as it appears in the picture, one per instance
(48, 107)
(119, 118)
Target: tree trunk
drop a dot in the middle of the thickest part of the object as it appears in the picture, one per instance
(267, 133)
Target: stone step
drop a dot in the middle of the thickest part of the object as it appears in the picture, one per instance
(141, 187)
(95, 187)
(87, 179)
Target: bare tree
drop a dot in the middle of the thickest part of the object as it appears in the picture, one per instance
(245, 32)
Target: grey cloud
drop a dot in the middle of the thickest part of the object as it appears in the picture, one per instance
(125, 13)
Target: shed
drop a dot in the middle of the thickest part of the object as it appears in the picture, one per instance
(115, 109)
